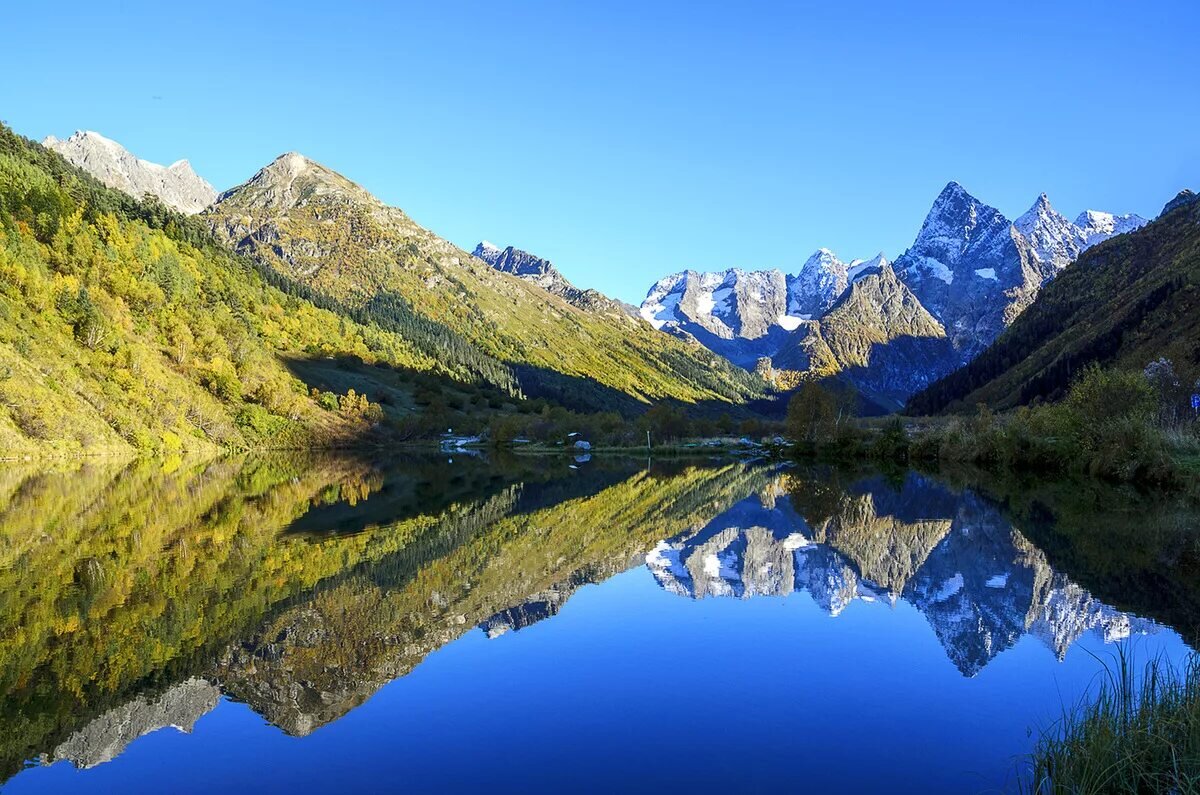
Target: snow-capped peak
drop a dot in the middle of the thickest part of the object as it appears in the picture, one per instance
(954, 221)
(1039, 212)
(823, 259)
(821, 280)
(1096, 227)
(1053, 240)
(488, 252)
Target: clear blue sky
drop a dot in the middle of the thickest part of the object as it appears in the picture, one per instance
(628, 140)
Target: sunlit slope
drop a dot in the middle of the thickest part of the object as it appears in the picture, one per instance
(312, 226)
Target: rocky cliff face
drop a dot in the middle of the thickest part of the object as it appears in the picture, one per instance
(176, 185)
(748, 315)
(967, 266)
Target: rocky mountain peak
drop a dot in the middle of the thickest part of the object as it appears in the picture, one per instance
(864, 267)
(293, 180)
(1184, 197)
(486, 250)
(542, 272)
(1039, 211)
(518, 263)
(955, 220)
(821, 280)
(1053, 241)
(177, 185)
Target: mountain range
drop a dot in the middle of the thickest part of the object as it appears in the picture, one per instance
(890, 329)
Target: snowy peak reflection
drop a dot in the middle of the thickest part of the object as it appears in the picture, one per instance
(979, 582)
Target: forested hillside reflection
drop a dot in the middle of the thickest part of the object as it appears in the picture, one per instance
(135, 596)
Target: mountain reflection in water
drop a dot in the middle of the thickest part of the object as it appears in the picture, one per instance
(979, 583)
(139, 597)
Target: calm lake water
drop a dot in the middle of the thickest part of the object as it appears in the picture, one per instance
(545, 624)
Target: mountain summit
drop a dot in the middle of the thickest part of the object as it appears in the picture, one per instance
(176, 185)
(976, 271)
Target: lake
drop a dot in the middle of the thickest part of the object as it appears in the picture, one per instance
(468, 623)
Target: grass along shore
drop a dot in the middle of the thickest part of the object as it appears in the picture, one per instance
(1139, 733)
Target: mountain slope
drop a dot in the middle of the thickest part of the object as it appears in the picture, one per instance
(1123, 303)
(176, 185)
(310, 225)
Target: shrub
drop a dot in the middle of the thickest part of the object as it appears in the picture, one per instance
(892, 443)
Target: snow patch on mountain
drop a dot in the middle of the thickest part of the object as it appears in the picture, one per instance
(1054, 242)
(863, 267)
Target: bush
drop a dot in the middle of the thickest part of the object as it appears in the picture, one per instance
(258, 421)
(1107, 426)
(892, 444)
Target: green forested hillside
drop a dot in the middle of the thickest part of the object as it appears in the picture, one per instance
(1123, 303)
(124, 326)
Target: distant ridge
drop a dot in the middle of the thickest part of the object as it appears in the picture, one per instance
(542, 272)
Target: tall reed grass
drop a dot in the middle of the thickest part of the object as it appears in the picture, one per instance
(1138, 732)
